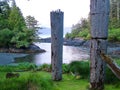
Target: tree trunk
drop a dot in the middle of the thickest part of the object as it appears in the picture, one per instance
(118, 10)
(56, 44)
(99, 13)
(97, 65)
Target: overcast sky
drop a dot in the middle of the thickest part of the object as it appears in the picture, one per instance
(40, 9)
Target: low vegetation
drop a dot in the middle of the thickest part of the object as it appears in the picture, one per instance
(29, 76)
(114, 35)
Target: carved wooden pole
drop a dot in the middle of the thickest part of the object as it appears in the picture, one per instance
(99, 13)
(56, 43)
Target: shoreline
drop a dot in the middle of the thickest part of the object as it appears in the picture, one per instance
(113, 48)
(31, 49)
(77, 42)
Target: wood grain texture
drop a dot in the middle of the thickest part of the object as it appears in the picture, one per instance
(56, 44)
(99, 18)
(97, 65)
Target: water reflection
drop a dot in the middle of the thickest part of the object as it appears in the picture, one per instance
(70, 53)
(7, 58)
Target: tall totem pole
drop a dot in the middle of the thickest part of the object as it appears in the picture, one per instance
(99, 18)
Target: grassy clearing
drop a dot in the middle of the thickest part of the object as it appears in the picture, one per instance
(34, 81)
(36, 78)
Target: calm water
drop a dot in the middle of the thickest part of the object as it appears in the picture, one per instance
(70, 53)
(46, 32)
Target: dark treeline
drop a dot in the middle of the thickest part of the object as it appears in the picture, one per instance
(15, 30)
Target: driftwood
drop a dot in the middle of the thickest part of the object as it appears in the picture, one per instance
(111, 64)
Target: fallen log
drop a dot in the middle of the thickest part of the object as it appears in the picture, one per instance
(111, 64)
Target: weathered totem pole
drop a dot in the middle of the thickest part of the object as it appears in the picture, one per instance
(99, 18)
(56, 43)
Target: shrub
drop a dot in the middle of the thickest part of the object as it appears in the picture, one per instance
(84, 34)
(45, 67)
(5, 37)
(114, 35)
(80, 68)
(65, 68)
(68, 36)
(23, 38)
(110, 77)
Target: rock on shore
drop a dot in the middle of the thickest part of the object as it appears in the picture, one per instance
(31, 49)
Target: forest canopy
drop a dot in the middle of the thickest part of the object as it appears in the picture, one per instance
(82, 28)
(14, 30)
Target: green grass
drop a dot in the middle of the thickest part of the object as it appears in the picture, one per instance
(42, 81)
(37, 79)
(33, 80)
(70, 83)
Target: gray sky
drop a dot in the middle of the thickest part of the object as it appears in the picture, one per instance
(73, 10)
